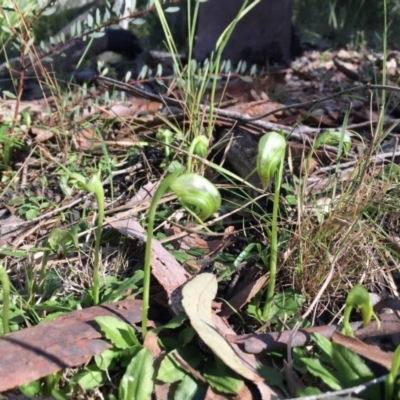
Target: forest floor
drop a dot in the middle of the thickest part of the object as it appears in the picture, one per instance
(211, 332)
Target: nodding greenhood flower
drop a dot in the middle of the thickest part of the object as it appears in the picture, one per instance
(333, 138)
(197, 194)
(59, 238)
(92, 185)
(165, 135)
(271, 152)
(358, 297)
(200, 146)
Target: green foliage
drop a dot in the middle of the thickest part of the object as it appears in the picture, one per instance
(390, 382)
(137, 382)
(93, 185)
(337, 366)
(119, 333)
(355, 22)
(221, 378)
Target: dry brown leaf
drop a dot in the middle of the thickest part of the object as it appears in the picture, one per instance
(41, 134)
(161, 391)
(192, 240)
(88, 140)
(255, 108)
(169, 273)
(9, 227)
(243, 297)
(132, 107)
(151, 343)
(197, 297)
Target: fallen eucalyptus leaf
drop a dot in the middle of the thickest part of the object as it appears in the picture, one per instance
(198, 295)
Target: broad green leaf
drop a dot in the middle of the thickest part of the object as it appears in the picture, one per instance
(105, 359)
(171, 370)
(317, 368)
(89, 378)
(116, 289)
(186, 336)
(125, 356)
(137, 382)
(30, 389)
(121, 334)
(198, 295)
(273, 378)
(286, 304)
(222, 378)
(176, 322)
(351, 368)
(324, 345)
(186, 389)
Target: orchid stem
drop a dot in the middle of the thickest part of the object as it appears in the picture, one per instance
(273, 258)
(5, 283)
(162, 188)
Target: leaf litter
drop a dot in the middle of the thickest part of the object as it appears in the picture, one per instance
(299, 83)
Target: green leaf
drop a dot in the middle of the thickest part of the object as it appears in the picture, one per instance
(176, 322)
(105, 359)
(273, 378)
(31, 214)
(30, 389)
(116, 289)
(125, 356)
(186, 389)
(351, 368)
(137, 382)
(324, 345)
(186, 336)
(90, 378)
(317, 368)
(286, 304)
(222, 378)
(171, 370)
(121, 334)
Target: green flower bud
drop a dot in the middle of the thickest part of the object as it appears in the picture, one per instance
(271, 153)
(92, 185)
(197, 194)
(59, 238)
(333, 138)
(200, 146)
(165, 135)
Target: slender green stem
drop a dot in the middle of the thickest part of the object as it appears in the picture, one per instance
(43, 270)
(273, 260)
(5, 283)
(189, 160)
(392, 375)
(99, 194)
(162, 188)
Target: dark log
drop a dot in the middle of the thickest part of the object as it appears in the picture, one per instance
(65, 59)
(264, 34)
